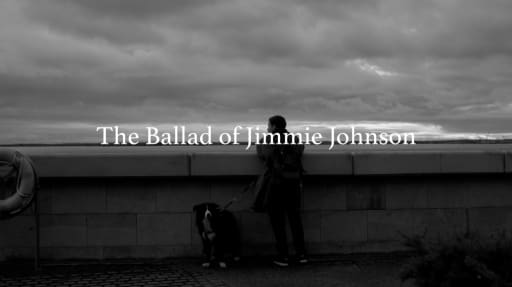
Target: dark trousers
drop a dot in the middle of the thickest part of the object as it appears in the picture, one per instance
(286, 204)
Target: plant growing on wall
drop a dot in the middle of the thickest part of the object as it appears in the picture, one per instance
(466, 260)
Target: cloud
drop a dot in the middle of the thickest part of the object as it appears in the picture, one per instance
(124, 61)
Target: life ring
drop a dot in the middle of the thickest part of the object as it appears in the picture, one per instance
(18, 183)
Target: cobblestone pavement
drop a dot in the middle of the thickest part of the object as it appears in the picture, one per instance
(150, 275)
(359, 270)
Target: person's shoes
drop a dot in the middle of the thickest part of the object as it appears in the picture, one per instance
(281, 261)
(302, 259)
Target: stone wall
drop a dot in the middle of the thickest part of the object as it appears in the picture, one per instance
(98, 206)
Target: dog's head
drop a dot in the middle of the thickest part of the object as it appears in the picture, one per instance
(206, 209)
(206, 215)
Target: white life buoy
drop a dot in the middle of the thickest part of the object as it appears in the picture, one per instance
(18, 183)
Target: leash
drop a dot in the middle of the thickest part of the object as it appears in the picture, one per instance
(247, 188)
(236, 197)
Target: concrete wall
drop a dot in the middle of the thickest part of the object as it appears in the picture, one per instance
(98, 206)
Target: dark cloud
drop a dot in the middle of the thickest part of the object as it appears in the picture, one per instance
(85, 19)
(138, 10)
(87, 62)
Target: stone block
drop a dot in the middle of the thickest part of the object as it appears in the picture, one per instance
(182, 195)
(327, 163)
(255, 228)
(17, 232)
(62, 253)
(404, 162)
(490, 221)
(326, 193)
(134, 195)
(149, 251)
(29, 211)
(490, 192)
(341, 226)
(448, 193)
(472, 162)
(44, 198)
(223, 191)
(195, 238)
(311, 221)
(163, 229)
(363, 194)
(111, 229)
(16, 253)
(508, 162)
(406, 193)
(77, 196)
(112, 165)
(392, 224)
(63, 230)
(208, 164)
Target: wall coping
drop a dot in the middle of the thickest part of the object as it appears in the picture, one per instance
(162, 162)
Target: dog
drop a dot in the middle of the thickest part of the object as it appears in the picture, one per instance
(219, 233)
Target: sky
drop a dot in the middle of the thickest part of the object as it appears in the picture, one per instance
(437, 67)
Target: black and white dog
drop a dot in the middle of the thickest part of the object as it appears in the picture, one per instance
(219, 233)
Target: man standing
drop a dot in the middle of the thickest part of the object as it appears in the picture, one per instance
(283, 199)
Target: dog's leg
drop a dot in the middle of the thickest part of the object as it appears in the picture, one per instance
(219, 251)
(207, 253)
(235, 242)
(220, 255)
(236, 246)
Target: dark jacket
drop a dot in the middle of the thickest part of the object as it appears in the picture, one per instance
(266, 152)
(277, 191)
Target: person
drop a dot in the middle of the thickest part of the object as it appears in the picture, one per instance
(283, 162)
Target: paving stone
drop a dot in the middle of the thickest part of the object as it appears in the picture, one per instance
(117, 275)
